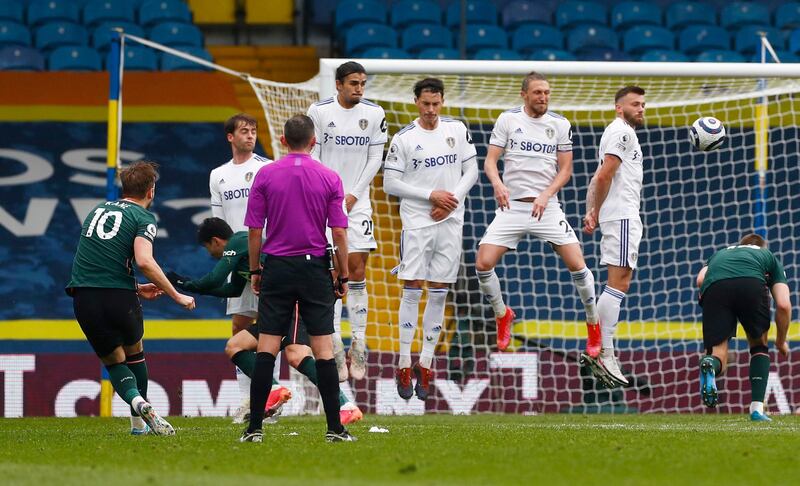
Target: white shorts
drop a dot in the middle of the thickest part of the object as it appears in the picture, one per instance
(246, 304)
(432, 253)
(620, 243)
(512, 224)
(360, 231)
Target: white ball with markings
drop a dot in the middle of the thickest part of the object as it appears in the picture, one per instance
(707, 133)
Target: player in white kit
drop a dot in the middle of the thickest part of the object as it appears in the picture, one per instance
(351, 134)
(537, 163)
(431, 167)
(613, 201)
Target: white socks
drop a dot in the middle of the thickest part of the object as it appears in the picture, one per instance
(337, 318)
(608, 307)
(584, 282)
(408, 315)
(357, 307)
(490, 287)
(757, 407)
(244, 384)
(432, 320)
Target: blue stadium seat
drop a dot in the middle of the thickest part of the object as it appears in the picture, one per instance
(138, 58)
(588, 36)
(57, 34)
(439, 53)
(794, 42)
(176, 34)
(602, 54)
(12, 10)
(572, 13)
(478, 12)
(102, 35)
(417, 37)
(629, 14)
(175, 63)
(551, 55)
(97, 12)
(351, 12)
(738, 14)
(696, 38)
(647, 37)
(720, 55)
(363, 36)
(407, 12)
(42, 11)
(14, 34)
(21, 59)
(385, 53)
(522, 12)
(497, 55)
(681, 14)
(74, 58)
(662, 55)
(787, 16)
(748, 40)
(784, 56)
(530, 37)
(155, 11)
(485, 37)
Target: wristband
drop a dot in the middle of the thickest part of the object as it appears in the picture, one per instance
(255, 272)
(343, 280)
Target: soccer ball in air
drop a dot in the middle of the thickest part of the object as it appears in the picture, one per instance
(707, 133)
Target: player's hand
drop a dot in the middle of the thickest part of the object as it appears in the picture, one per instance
(177, 280)
(501, 195)
(339, 288)
(438, 214)
(149, 291)
(783, 347)
(255, 283)
(539, 205)
(349, 201)
(589, 223)
(443, 199)
(185, 301)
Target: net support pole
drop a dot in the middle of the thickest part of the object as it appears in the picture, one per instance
(762, 148)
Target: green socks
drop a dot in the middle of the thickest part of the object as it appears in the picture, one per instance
(716, 364)
(246, 361)
(308, 367)
(138, 367)
(759, 375)
(123, 381)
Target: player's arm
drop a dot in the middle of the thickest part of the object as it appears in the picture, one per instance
(783, 315)
(143, 254)
(374, 160)
(597, 195)
(493, 154)
(210, 283)
(254, 219)
(216, 197)
(316, 150)
(563, 175)
(337, 222)
(701, 276)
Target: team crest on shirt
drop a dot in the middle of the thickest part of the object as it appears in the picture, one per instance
(362, 123)
(151, 230)
(248, 177)
(451, 142)
(549, 132)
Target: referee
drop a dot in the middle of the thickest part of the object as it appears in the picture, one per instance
(298, 197)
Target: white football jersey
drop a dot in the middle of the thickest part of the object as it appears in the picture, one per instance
(344, 137)
(624, 195)
(531, 148)
(429, 159)
(230, 186)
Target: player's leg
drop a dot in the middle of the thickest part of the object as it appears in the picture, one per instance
(134, 360)
(759, 376)
(719, 325)
(752, 307)
(243, 311)
(338, 346)
(582, 277)
(357, 311)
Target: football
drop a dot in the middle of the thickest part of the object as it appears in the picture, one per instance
(707, 133)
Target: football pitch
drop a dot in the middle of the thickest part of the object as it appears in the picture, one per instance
(433, 449)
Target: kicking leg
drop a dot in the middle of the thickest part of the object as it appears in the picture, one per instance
(357, 310)
(488, 256)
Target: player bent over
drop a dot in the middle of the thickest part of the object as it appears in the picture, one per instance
(733, 287)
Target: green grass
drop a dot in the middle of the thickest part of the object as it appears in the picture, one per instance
(434, 449)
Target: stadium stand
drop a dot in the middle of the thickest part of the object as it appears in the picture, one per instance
(176, 34)
(14, 34)
(696, 38)
(586, 36)
(97, 12)
(407, 12)
(57, 34)
(21, 59)
(354, 12)
(664, 55)
(139, 58)
(551, 55)
(630, 14)
(787, 16)
(520, 12)
(739, 14)
(439, 53)
(480, 12)
(530, 37)
(385, 53)
(748, 39)
(74, 58)
(485, 37)
(720, 55)
(682, 14)
(573, 13)
(12, 10)
(497, 55)
(423, 36)
(153, 12)
(43, 11)
(103, 34)
(175, 63)
(363, 36)
(637, 40)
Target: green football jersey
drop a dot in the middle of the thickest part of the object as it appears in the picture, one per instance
(105, 250)
(234, 262)
(743, 261)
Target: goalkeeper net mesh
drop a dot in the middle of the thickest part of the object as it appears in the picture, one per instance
(693, 203)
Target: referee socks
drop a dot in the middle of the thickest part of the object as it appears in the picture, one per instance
(329, 392)
(260, 387)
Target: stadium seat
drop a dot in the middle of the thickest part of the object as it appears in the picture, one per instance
(572, 13)
(138, 58)
(97, 12)
(155, 11)
(102, 35)
(481, 12)
(57, 34)
(588, 36)
(551, 55)
(408, 12)
(647, 37)
(439, 53)
(175, 63)
(385, 53)
(351, 12)
(14, 34)
(602, 54)
(417, 37)
(530, 37)
(794, 42)
(748, 40)
(497, 55)
(719, 55)
(784, 56)
(522, 12)
(696, 38)
(485, 37)
(176, 34)
(662, 55)
(21, 59)
(12, 10)
(738, 14)
(74, 58)
(787, 16)
(42, 11)
(363, 36)
(681, 14)
(629, 14)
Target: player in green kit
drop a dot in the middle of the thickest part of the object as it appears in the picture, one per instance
(734, 286)
(106, 294)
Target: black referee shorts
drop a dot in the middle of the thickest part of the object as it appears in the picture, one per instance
(725, 302)
(108, 317)
(302, 280)
(297, 332)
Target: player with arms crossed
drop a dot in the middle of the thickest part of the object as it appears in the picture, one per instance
(537, 144)
(106, 295)
(351, 133)
(431, 167)
(613, 200)
(229, 185)
(733, 287)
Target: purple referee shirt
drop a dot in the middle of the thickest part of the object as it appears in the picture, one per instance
(298, 197)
